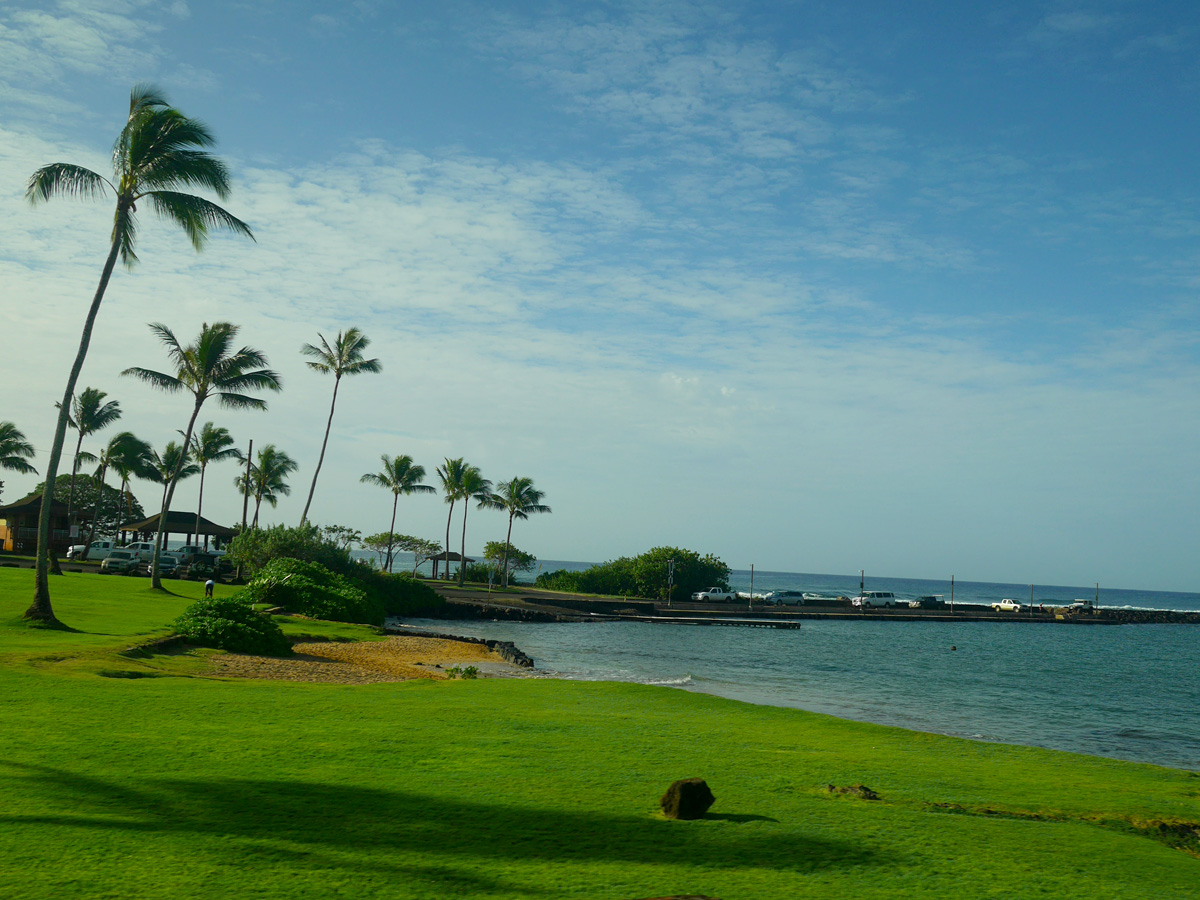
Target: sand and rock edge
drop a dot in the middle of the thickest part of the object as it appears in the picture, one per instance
(396, 658)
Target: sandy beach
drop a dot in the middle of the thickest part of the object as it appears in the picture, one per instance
(397, 658)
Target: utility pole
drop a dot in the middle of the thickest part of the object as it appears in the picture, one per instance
(751, 587)
(246, 484)
(670, 580)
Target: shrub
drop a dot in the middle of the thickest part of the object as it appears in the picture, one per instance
(254, 548)
(230, 623)
(644, 575)
(399, 594)
(313, 590)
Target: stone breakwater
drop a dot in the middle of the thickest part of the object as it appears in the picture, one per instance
(507, 650)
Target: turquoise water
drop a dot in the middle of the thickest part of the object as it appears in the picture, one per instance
(1128, 692)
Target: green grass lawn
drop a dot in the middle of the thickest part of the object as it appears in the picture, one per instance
(169, 785)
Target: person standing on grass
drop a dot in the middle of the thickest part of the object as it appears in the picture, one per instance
(208, 589)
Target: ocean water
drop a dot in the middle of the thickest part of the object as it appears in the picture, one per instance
(1128, 692)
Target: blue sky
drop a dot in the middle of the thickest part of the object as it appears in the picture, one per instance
(814, 286)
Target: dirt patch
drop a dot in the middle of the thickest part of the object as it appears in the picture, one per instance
(367, 662)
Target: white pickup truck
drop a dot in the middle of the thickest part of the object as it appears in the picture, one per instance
(713, 595)
(95, 550)
(1007, 605)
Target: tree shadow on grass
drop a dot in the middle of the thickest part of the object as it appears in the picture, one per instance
(320, 820)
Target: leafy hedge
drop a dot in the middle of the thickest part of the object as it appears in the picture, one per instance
(229, 623)
(313, 590)
(400, 594)
(644, 575)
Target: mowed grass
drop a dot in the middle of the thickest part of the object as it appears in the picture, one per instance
(174, 786)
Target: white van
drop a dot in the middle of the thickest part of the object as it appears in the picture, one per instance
(872, 599)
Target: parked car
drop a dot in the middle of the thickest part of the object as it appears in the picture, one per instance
(713, 594)
(929, 601)
(204, 565)
(95, 550)
(168, 565)
(1081, 606)
(872, 599)
(189, 552)
(121, 562)
(1007, 605)
(784, 598)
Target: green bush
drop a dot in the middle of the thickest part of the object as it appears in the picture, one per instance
(254, 548)
(230, 623)
(643, 576)
(399, 594)
(313, 590)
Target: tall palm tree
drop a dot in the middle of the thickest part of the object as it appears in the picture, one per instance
(519, 498)
(158, 151)
(345, 357)
(132, 459)
(212, 444)
(474, 486)
(451, 475)
(399, 476)
(207, 367)
(268, 478)
(123, 453)
(173, 462)
(88, 414)
(14, 450)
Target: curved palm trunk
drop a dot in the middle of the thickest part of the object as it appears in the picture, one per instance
(41, 610)
(168, 493)
(507, 544)
(392, 530)
(446, 552)
(96, 511)
(257, 504)
(462, 565)
(199, 506)
(74, 473)
(304, 516)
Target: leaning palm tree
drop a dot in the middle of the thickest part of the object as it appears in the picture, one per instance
(345, 357)
(123, 453)
(163, 466)
(88, 414)
(212, 444)
(519, 498)
(207, 367)
(268, 478)
(14, 450)
(474, 486)
(399, 476)
(451, 475)
(158, 151)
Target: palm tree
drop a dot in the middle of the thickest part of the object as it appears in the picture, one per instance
(131, 457)
(123, 454)
(451, 475)
(173, 462)
(268, 478)
(88, 414)
(345, 357)
(14, 450)
(158, 151)
(213, 444)
(399, 476)
(207, 367)
(519, 498)
(474, 485)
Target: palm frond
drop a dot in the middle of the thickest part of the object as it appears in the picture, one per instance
(160, 380)
(195, 215)
(240, 401)
(370, 478)
(65, 180)
(125, 234)
(185, 168)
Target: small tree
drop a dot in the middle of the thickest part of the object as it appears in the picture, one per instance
(496, 552)
(379, 544)
(341, 535)
(421, 549)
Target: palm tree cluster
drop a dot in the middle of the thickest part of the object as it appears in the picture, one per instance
(158, 157)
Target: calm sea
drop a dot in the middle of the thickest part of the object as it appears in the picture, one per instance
(1128, 692)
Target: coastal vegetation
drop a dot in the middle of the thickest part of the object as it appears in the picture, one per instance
(401, 476)
(520, 499)
(518, 788)
(645, 575)
(158, 151)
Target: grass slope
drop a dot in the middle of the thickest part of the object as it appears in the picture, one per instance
(181, 787)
